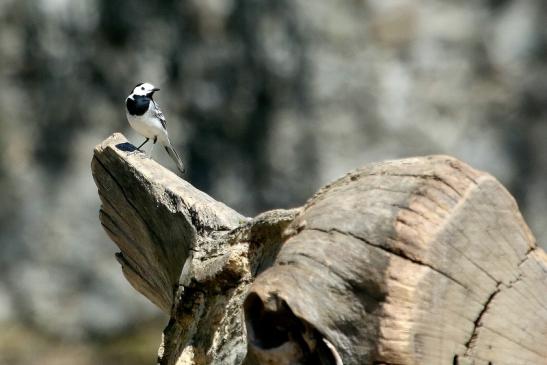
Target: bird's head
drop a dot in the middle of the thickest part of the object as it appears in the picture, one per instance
(144, 89)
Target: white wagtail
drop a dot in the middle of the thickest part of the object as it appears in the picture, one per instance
(145, 116)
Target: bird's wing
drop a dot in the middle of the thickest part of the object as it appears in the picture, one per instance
(158, 114)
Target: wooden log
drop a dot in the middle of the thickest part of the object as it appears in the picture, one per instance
(188, 254)
(154, 217)
(417, 261)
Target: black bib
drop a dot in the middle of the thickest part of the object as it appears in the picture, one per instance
(139, 106)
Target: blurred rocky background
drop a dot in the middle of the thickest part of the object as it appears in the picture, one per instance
(266, 101)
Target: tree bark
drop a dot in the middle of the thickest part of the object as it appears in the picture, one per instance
(416, 261)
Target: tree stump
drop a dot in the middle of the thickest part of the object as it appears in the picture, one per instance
(416, 261)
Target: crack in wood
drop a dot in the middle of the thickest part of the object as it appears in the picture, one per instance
(456, 166)
(411, 210)
(478, 323)
(135, 209)
(398, 253)
(379, 296)
(107, 220)
(527, 255)
(423, 225)
(469, 344)
(434, 177)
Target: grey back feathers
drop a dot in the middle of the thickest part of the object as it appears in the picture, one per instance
(158, 114)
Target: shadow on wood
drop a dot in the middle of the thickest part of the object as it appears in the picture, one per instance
(416, 261)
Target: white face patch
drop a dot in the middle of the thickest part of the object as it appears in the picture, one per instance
(143, 89)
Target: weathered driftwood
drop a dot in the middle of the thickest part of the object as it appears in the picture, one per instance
(417, 261)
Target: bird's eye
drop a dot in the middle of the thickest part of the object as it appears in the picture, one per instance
(142, 88)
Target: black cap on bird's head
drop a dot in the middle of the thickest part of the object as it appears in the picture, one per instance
(144, 89)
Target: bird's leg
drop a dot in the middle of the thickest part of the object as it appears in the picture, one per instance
(152, 149)
(142, 144)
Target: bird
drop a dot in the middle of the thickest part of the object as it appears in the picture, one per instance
(144, 116)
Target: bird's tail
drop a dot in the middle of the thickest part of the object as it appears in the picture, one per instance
(174, 155)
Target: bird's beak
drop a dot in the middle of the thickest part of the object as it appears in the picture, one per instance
(155, 89)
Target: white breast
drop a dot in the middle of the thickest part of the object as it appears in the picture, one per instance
(148, 125)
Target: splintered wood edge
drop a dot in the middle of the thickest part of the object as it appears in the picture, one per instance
(142, 259)
(210, 214)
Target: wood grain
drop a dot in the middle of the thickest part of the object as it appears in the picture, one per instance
(415, 261)
(153, 216)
